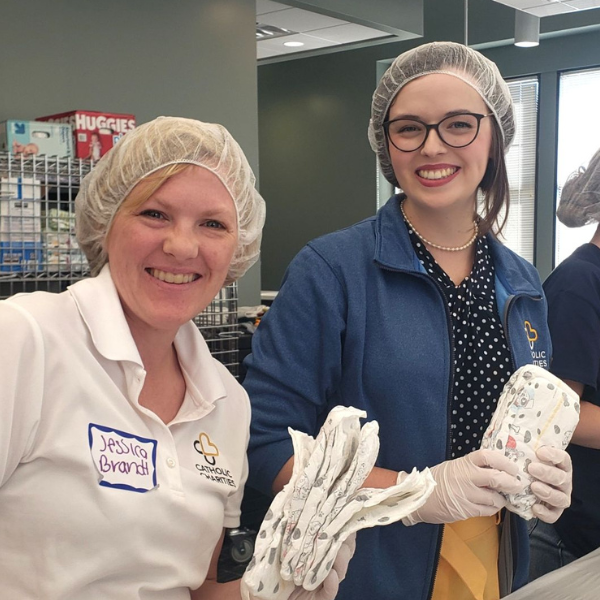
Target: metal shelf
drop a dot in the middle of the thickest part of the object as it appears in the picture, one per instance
(38, 249)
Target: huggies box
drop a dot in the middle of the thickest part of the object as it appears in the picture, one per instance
(35, 138)
(94, 133)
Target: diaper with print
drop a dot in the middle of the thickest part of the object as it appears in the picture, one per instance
(323, 504)
(535, 409)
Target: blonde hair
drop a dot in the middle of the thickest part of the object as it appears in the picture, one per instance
(144, 189)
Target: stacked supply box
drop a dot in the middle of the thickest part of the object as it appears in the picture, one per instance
(20, 224)
(61, 250)
(35, 138)
(95, 133)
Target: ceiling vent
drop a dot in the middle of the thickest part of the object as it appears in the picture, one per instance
(270, 32)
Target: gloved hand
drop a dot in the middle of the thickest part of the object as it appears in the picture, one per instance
(554, 474)
(329, 588)
(468, 487)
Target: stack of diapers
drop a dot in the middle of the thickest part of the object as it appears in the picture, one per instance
(535, 409)
(323, 504)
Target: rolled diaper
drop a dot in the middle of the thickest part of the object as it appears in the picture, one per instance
(323, 504)
(535, 409)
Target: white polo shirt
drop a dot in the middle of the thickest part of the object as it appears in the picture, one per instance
(98, 497)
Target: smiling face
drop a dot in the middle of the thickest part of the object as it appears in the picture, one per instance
(437, 174)
(169, 255)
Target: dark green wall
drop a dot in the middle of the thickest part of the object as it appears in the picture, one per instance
(147, 57)
(317, 170)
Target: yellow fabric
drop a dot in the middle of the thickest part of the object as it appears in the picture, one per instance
(468, 565)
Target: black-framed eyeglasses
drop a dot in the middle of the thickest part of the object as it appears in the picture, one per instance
(456, 131)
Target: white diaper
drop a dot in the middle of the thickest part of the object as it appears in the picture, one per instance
(323, 504)
(535, 409)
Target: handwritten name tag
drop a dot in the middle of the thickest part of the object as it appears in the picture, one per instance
(124, 460)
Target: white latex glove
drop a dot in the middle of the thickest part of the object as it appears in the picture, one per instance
(329, 588)
(468, 487)
(554, 474)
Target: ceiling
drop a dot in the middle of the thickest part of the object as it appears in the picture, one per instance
(545, 8)
(313, 30)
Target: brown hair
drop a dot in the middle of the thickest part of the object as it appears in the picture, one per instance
(494, 185)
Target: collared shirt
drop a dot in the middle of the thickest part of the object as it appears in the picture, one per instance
(482, 361)
(98, 497)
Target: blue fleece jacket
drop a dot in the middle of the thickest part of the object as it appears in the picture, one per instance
(357, 322)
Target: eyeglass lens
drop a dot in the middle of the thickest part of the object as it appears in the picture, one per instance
(456, 131)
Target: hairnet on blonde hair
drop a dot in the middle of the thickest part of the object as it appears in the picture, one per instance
(150, 147)
(439, 57)
(580, 197)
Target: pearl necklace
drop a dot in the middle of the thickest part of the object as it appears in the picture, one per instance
(445, 248)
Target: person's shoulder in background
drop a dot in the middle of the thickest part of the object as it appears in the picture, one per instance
(578, 274)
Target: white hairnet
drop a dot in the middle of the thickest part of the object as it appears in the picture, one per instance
(151, 146)
(580, 197)
(439, 57)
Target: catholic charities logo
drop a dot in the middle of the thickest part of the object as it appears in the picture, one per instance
(538, 356)
(209, 467)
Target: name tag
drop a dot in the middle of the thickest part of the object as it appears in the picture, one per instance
(123, 460)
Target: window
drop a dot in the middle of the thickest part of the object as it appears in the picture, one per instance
(578, 139)
(518, 233)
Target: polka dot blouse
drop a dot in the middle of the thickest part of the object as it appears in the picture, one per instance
(482, 360)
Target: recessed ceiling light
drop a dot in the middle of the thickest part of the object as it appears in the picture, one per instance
(293, 44)
(269, 32)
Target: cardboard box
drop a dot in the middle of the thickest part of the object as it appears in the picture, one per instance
(64, 260)
(20, 256)
(34, 137)
(20, 229)
(59, 220)
(20, 209)
(62, 252)
(95, 133)
(20, 188)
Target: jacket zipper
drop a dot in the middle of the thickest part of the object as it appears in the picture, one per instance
(507, 306)
(431, 281)
(448, 424)
(509, 302)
